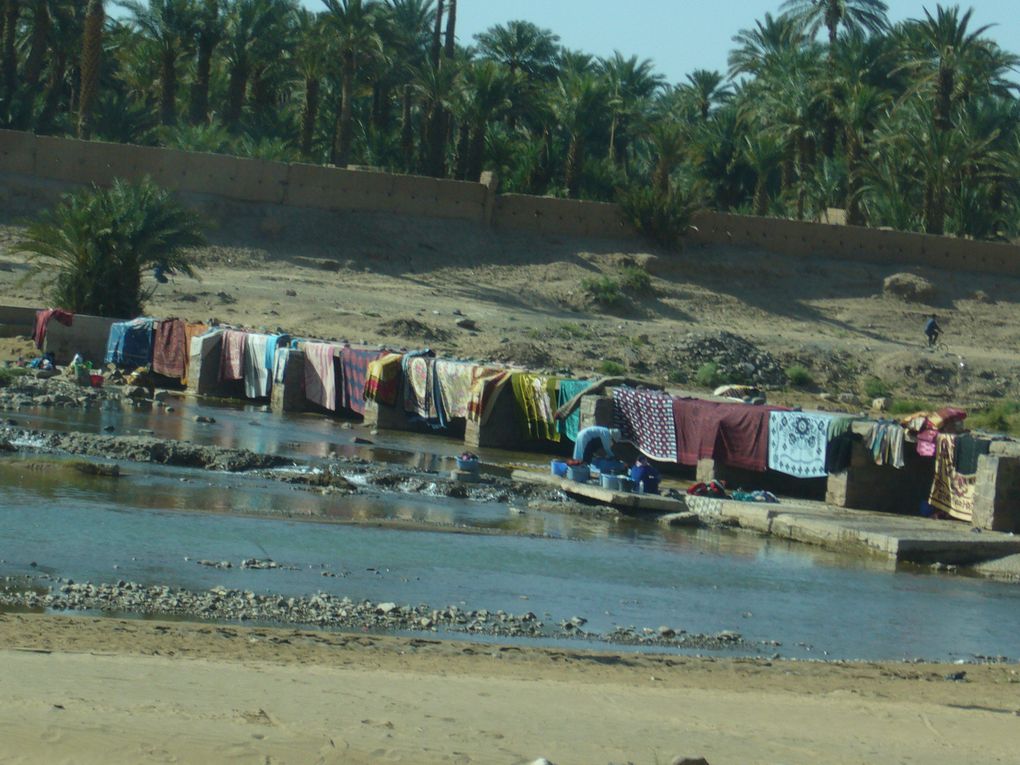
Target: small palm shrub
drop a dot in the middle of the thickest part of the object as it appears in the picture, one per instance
(612, 368)
(603, 290)
(799, 376)
(708, 375)
(635, 280)
(92, 249)
(876, 387)
(665, 218)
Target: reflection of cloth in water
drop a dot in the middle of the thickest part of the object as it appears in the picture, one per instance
(645, 419)
(534, 396)
(169, 348)
(485, 391)
(256, 373)
(570, 424)
(797, 443)
(232, 358)
(191, 331)
(42, 323)
(320, 375)
(382, 377)
(885, 442)
(354, 364)
(951, 491)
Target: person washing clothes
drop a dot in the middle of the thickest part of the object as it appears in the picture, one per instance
(644, 475)
(932, 330)
(591, 441)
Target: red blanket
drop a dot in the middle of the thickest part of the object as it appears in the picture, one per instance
(734, 434)
(169, 349)
(232, 357)
(42, 321)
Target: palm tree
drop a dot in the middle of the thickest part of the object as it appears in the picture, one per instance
(632, 84)
(940, 48)
(580, 100)
(210, 29)
(12, 12)
(311, 60)
(763, 153)
(91, 61)
(437, 88)
(91, 249)
(250, 23)
(667, 141)
(170, 25)
(859, 112)
(522, 47)
(353, 24)
(707, 89)
(483, 99)
(758, 49)
(833, 14)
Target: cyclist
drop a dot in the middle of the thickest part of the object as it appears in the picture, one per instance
(932, 330)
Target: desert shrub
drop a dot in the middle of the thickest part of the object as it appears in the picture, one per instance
(604, 290)
(875, 387)
(635, 280)
(92, 248)
(571, 330)
(708, 375)
(611, 368)
(799, 376)
(1002, 417)
(663, 218)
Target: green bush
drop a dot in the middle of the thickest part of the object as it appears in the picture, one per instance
(708, 375)
(1003, 417)
(92, 249)
(635, 280)
(572, 331)
(663, 218)
(910, 405)
(799, 376)
(8, 374)
(611, 368)
(604, 290)
(875, 387)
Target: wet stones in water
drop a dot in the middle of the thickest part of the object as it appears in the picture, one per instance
(204, 419)
(102, 469)
(255, 563)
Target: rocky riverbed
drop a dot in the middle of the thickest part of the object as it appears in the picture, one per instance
(338, 612)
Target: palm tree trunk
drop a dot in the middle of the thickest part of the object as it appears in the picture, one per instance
(660, 178)
(575, 164)
(262, 97)
(406, 130)
(934, 209)
(168, 88)
(476, 152)
(463, 149)
(200, 87)
(761, 196)
(309, 115)
(451, 29)
(437, 33)
(435, 164)
(854, 151)
(10, 60)
(54, 90)
(91, 61)
(236, 86)
(944, 99)
(344, 137)
(41, 23)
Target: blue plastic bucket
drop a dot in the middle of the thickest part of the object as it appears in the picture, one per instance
(558, 468)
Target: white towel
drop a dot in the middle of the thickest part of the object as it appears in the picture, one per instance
(256, 376)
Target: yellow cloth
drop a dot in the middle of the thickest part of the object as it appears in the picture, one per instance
(382, 379)
(535, 396)
(485, 389)
(951, 492)
(190, 330)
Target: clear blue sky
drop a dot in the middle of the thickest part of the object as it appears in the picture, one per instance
(682, 35)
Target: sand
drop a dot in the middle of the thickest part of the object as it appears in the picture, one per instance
(88, 690)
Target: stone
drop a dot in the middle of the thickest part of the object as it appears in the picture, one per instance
(666, 632)
(846, 398)
(909, 287)
(681, 760)
(466, 323)
(686, 518)
(136, 391)
(981, 297)
(204, 418)
(879, 404)
(385, 608)
(290, 293)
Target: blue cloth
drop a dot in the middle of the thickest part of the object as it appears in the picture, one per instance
(130, 343)
(569, 389)
(271, 345)
(649, 475)
(590, 439)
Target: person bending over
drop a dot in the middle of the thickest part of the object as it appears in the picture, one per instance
(591, 441)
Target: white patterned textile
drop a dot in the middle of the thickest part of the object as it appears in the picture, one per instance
(797, 443)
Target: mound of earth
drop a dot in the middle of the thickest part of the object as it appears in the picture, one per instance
(910, 287)
(412, 329)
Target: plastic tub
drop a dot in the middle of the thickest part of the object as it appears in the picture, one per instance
(468, 466)
(611, 482)
(578, 473)
(96, 381)
(558, 468)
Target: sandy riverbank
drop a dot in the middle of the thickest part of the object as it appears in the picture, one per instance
(89, 690)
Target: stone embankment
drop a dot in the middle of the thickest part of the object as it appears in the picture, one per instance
(333, 611)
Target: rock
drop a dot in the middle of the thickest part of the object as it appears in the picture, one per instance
(360, 440)
(467, 324)
(666, 632)
(910, 287)
(290, 293)
(681, 760)
(686, 518)
(846, 398)
(161, 396)
(136, 392)
(540, 761)
(204, 418)
(879, 404)
(981, 297)
(385, 608)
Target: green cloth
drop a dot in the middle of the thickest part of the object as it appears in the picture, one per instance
(572, 423)
(534, 396)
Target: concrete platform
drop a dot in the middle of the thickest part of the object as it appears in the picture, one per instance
(621, 500)
(901, 537)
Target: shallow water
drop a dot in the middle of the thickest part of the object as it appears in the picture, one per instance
(142, 526)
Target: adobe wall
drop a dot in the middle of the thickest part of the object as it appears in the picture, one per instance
(86, 336)
(66, 160)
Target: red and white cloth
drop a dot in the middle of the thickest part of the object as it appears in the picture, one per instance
(645, 419)
(232, 357)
